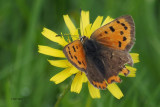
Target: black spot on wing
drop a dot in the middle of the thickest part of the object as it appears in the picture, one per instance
(121, 32)
(105, 32)
(75, 57)
(79, 62)
(118, 21)
(83, 63)
(70, 54)
(112, 29)
(125, 27)
(68, 48)
(120, 44)
(122, 24)
(74, 48)
(77, 47)
(124, 38)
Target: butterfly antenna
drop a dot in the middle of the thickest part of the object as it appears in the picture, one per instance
(75, 36)
(63, 35)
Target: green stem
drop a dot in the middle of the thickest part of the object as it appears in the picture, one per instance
(88, 101)
(62, 95)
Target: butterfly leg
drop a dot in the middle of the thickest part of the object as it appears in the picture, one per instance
(114, 79)
(125, 71)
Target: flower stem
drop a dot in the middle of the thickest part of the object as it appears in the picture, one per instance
(60, 97)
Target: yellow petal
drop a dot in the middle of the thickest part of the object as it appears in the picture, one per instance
(115, 90)
(60, 63)
(60, 77)
(135, 57)
(74, 70)
(71, 27)
(97, 23)
(88, 31)
(52, 36)
(84, 21)
(94, 92)
(50, 51)
(107, 20)
(132, 72)
(85, 79)
(77, 82)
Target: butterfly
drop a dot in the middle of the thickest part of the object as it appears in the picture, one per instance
(104, 55)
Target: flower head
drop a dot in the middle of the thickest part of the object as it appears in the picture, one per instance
(86, 28)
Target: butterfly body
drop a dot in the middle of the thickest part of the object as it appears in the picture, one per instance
(93, 53)
(90, 46)
(104, 55)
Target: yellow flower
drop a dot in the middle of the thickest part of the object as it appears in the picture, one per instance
(86, 29)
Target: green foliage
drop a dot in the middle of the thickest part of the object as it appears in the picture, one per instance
(25, 74)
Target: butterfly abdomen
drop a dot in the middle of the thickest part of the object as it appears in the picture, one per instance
(92, 49)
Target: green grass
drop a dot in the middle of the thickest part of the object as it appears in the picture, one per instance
(25, 74)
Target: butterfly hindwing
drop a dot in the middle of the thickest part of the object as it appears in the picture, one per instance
(114, 63)
(93, 74)
(106, 66)
(118, 34)
(76, 54)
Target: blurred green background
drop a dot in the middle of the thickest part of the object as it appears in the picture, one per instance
(25, 74)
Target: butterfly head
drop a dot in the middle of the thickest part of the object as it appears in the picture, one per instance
(83, 39)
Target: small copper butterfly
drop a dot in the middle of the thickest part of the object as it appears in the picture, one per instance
(104, 55)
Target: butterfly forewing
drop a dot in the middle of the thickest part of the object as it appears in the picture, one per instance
(76, 54)
(118, 34)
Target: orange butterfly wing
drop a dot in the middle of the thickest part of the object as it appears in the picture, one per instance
(118, 34)
(76, 54)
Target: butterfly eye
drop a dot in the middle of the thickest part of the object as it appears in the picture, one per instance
(83, 38)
